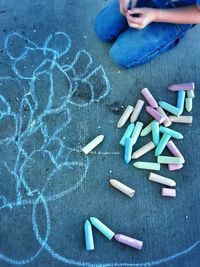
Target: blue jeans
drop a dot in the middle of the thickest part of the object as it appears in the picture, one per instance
(134, 47)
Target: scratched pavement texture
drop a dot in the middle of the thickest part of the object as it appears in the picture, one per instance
(58, 90)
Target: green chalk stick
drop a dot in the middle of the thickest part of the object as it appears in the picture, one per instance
(170, 160)
(190, 94)
(136, 132)
(172, 109)
(155, 132)
(146, 130)
(127, 134)
(188, 104)
(162, 144)
(147, 165)
(171, 132)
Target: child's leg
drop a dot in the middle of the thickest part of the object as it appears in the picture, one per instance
(136, 47)
(110, 23)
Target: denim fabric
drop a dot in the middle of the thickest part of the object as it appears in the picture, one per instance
(132, 47)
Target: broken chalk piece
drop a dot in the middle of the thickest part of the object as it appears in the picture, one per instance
(128, 149)
(168, 192)
(188, 104)
(127, 133)
(167, 121)
(181, 101)
(170, 160)
(102, 228)
(122, 187)
(146, 130)
(147, 165)
(181, 119)
(161, 179)
(175, 167)
(171, 132)
(155, 132)
(150, 99)
(138, 107)
(143, 150)
(172, 109)
(162, 144)
(190, 94)
(125, 116)
(129, 241)
(89, 241)
(90, 146)
(181, 86)
(155, 114)
(137, 131)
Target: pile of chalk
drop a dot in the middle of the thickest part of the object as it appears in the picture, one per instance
(162, 135)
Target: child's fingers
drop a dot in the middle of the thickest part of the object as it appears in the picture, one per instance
(134, 20)
(136, 26)
(135, 11)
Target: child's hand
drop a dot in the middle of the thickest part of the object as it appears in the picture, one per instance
(144, 16)
(123, 4)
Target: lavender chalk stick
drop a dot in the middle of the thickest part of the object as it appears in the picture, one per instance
(181, 86)
(155, 114)
(168, 192)
(150, 99)
(129, 241)
(175, 152)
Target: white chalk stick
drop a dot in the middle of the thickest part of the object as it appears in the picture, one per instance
(167, 121)
(90, 146)
(161, 179)
(138, 107)
(125, 116)
(122, 187)
(143, 150)
(181, 119)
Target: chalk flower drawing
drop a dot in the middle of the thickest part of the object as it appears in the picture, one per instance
(29, 103)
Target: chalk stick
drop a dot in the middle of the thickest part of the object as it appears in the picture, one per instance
(170, 108)
(171, 132)
(175, 167)
(175, 152)
(147, 165)
(129, 241)
(89, 241)
(125, 116)
(143, 150)
(128, 149)
(181, 119)
(122, 187)
(155, 132)
(137, 131)
(170, 160)
(150, 99)
(127, 133)
(146, 130)
(162, 144)
(161, 179)
(90, 146)
(155, 114)
(107, 232)
(138, 107)
(181, 86)
(181, 101)
(168, 192)
(188, 104)
(167, 121)
(190, 94)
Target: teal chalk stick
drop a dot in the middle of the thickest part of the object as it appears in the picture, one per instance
(188, 104)
(89, 241)
(171, 132)
(155, 132)
(181, 101)
(147, 165)
(172, 109)
(128, 149)
(146, 130)
(127, 134)
(137, 131)
(162, 144)
(102, 228)
(170, 160)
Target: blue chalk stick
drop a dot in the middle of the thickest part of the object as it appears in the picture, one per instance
(162, 144)
(127, 134)
(102, 228)
(181, 101)
(89, 241)
(128, 149)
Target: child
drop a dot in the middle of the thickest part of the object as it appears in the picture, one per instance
(144, 30)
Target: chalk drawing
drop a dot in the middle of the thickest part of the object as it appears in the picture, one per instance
(29, 117)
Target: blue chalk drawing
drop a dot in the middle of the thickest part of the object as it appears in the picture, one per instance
(28, 115)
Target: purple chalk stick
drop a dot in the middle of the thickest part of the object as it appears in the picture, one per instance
(129, 241)
(175, 152)
(155, 114)
(168, 192)
(181, 87)
(175, 167)
(150, 99)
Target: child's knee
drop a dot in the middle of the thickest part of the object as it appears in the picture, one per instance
(101, 29)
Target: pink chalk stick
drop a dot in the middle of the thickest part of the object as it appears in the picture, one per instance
(150, 99)
(155, 114)
(175, 167)
(129, 241)
(173, 149)
(181, 87)
(168, 192)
